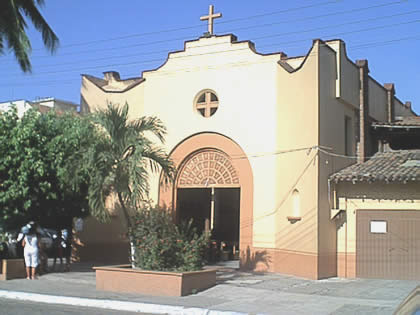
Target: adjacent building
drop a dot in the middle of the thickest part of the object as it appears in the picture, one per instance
(43, 105)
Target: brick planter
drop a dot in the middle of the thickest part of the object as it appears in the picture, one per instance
(123, 278)
(12, 269)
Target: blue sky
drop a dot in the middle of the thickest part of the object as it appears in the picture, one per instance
(131, 36)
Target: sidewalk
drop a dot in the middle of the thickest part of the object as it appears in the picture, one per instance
(235, 292)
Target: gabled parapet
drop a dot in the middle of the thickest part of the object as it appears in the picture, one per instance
(112, 82)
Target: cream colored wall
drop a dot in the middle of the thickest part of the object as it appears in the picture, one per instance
(297, 128)
(381, 196)
(296, 62)
(333, 111)
(94, 98)
(347, 79)
(98, 236)
(246, 113)
(266, 111)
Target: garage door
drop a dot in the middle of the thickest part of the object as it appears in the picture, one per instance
(388, 244)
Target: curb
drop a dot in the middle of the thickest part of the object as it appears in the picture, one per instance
(111, 304)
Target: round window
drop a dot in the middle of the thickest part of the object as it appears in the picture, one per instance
(206, 103)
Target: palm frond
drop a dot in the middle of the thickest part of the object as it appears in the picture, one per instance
(123, 158)
(151, 124)
(13, 29)
(49, 38)
(159, 160)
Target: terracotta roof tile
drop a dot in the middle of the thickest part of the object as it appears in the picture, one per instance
(411, 121)
(393, 166)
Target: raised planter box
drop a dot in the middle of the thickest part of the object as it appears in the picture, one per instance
(123, 278)
(12, 269)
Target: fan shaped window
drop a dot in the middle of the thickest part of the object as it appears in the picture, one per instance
(206, 103)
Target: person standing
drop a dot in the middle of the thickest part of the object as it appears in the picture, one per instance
(31, 251)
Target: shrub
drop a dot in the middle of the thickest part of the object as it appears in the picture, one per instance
(162, 245)
(3, 246)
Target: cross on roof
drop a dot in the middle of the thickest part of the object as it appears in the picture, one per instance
(210, 18)
(208, 105)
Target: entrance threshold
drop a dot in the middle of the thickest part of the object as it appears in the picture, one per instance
(231, 264)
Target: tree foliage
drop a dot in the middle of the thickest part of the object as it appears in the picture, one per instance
(35, 154)
(121, 159)
(13, 27)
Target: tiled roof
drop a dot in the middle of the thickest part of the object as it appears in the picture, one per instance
(45, 109)
(411, 121)
(393, 166)
(42, 108)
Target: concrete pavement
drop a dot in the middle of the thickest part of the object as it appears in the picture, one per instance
(236, 292)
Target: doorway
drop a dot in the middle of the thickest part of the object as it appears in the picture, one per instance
(213, 209)
(194, 203)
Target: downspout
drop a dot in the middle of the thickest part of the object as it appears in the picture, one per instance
(363, 147)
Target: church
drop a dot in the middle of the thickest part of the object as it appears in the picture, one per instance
(260, 143)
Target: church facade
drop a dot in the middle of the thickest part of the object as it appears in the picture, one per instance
(255, 138)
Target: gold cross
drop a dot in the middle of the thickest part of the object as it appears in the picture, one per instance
(208, 105)
(210, 18)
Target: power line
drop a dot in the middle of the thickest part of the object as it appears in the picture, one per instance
(339, 25)
(220, 22)
(305, 19)
(213, 53)
(263, 37)
(362, 46)
(242, 28)
(354, 31)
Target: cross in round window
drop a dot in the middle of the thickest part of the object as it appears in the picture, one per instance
(207, 103)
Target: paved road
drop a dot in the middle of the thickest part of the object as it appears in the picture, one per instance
(15, 307)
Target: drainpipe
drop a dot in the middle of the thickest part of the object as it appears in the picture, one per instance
(363, 145)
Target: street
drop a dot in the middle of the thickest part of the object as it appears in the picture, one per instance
(16, 307)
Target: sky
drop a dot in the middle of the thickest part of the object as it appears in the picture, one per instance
(131, 36)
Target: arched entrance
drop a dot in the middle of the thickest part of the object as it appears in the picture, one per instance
(208, 191)
(214, 177)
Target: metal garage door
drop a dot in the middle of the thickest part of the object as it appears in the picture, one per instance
(388, 244)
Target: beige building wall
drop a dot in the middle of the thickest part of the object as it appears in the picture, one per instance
(93, 98)
(287, 115)
(364, 196)
(246, 112)
(295, 206)
(332, 137)
(347, 78)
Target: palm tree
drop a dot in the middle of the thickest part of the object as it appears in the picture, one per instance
(13, 29)
(120, 161)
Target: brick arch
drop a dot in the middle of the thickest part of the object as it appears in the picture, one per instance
(207, 167)
(213, 142)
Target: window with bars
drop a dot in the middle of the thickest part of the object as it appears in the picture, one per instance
(207, 103)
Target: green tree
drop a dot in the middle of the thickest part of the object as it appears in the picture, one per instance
(13, 27)
(35, 157)
(120, 160)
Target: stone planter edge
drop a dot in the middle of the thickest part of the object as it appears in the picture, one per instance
(122, 278)
(12, 269)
